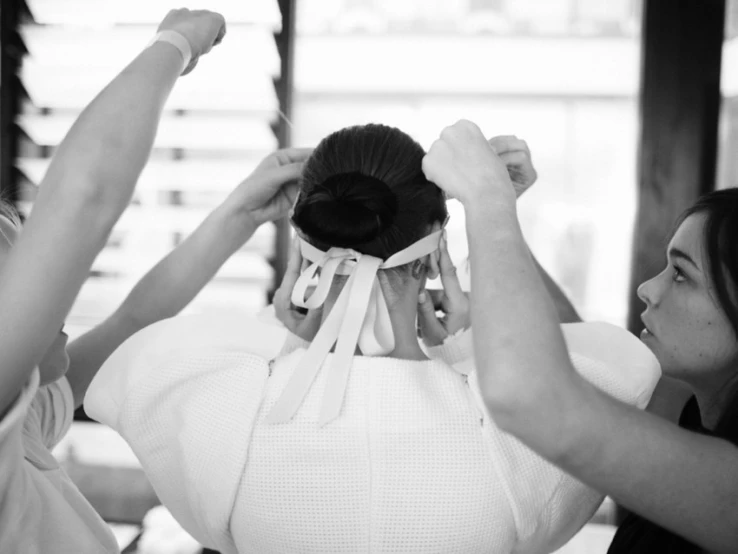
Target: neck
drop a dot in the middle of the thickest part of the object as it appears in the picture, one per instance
(712, 398)
(404, 318)
(403, 312)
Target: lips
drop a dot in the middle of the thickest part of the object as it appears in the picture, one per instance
(647, 328)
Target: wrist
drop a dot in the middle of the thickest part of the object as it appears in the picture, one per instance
(177, 41)
(491, 209)
(235, 223)
(492, 223)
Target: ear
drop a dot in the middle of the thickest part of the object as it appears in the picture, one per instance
(433, 264)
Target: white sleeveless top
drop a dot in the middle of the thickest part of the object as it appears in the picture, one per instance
(413, 463)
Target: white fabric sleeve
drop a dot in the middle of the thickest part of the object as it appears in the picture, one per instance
(455, 349)
(11, 423)
(619, 364)
(53, 410)
(173, 338)
(184, 394)
(550, 506)
(14, 485)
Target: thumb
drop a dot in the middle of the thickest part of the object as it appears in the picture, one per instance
(431, 329)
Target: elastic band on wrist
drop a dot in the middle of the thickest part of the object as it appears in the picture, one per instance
(178, 41)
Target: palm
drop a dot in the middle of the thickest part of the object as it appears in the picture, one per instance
(270, 190)
(277, 206)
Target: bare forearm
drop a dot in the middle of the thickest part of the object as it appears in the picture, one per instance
(105, 150)
(564, 308)
(685, 482)
(170, 285)
(518, 344)
(87, 186)
(162, 293)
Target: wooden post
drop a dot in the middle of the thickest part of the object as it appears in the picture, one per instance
(679, 109)
(286, 47)
(11, 53)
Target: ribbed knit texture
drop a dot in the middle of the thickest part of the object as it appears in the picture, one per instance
(414, 463)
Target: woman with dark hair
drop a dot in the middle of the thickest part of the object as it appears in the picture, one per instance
(681, 482)
(361, 440)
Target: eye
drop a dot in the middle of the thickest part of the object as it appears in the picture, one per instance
(678, 275)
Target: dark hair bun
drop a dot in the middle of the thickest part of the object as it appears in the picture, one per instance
(346, 209)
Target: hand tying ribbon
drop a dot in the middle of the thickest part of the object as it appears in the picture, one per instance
(359, 317)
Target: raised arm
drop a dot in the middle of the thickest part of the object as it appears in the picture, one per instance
(267, 194)
(516, 156)
(88, 185)
(683, 481)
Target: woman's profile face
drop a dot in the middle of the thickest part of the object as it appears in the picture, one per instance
(685, 326)
(56, 361)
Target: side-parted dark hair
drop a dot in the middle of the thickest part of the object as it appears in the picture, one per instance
(363, 188)
(720, 244)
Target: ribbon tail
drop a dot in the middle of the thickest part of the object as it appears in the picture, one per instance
(357, 290)
(299, 384)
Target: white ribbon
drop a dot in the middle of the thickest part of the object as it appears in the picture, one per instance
(359, 317)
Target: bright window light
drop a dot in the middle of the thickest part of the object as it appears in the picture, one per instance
(101, 13)
(232, 132)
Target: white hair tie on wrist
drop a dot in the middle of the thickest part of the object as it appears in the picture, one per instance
(178, 41)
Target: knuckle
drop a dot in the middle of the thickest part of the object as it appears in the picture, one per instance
(467, 125)
(446, 132)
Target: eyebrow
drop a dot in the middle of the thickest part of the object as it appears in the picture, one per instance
(682, 255)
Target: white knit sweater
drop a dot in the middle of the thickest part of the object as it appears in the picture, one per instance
(413, 464)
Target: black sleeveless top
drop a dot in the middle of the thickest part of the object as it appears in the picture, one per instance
(637, 535)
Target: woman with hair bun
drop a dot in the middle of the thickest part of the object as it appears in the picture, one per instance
(358, 438)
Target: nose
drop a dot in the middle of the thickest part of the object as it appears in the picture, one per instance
(648, 291)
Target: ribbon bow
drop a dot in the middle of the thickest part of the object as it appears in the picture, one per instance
(359, 317)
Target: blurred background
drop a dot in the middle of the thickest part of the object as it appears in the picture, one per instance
(565, 75)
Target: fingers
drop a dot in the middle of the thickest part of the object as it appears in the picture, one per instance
(508, 143)
(462, 128)
(515, 158)
(431, 329)
(282, 302)
(465, 166)
(515, 154)
(290, 190)
(221, 33)
(294, 265)
(293, 155)
(310, 325)
(284, 173)
(260, 188)
(438, 298)
(520, 167)
(449, 278)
